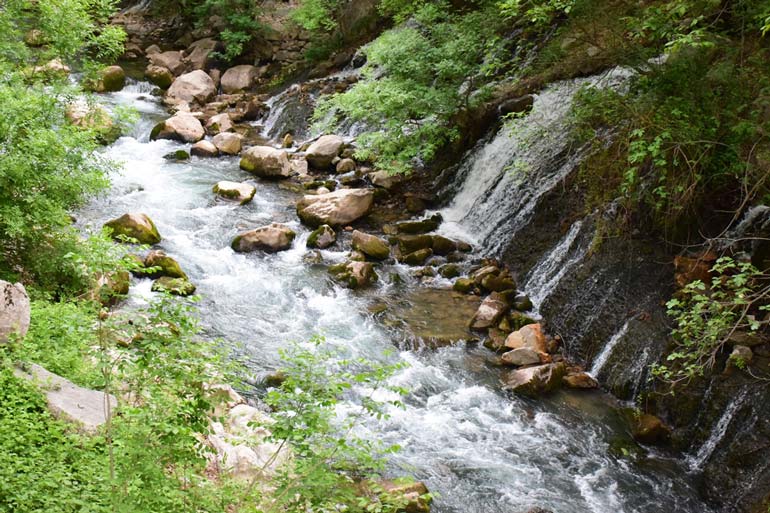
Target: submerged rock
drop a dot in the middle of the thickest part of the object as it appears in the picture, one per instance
(134, 226)
(14, 310)
(266, 162)
(322, 152)
(322, 237)
(336, 208)
(354, 275)
(271, 239)
(370, 245)
(535, 381)
(647, 428)
(240, 192)
(173, 286)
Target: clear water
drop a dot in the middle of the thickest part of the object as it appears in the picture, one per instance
(477, 448)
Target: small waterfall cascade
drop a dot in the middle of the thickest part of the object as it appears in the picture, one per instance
(601, 359)
(547, 273)
(504, 180)
(718, 432)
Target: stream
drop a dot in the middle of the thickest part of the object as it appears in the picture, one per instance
(479, 449)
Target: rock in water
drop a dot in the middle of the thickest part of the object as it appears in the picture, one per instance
(647, 428)
(489, 313)
(219, 123)
(68, 401)
(321, 153)
(193, 87)
(322, 237)
(173, 286)
(14, 310)
(354, 275)
(266, 162)
(204, 149)
(535, 381)
(182, 127)
(520, 357)
(159, 76)
(239, 78)
(370, 245)
(135, 226)
(580, 381)
(166, 266)
(530, 336)
(272, 238)
(340, 207)
(109, 79)
(240, 192)
(227, 143)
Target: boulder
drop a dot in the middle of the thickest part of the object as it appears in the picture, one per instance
(198, 53)
(741, 356)
(413, 495)
(464, 285)
(449, 271)
(92, 116)
(370, 245)
(417, 257)
(323, 151)
(535, 381)
(52, 68)
(240, 192)
(14, 310)
(490, 311)
(193, 87)
(166, 265)
(322, 237)
(647, 428)
(109, 79)
(271, 239)
(530, 336)
(171, 60)
(159, 76)
(135, 226)
(345, 166)
(239, 78)
(579, 380)
(442, 246)
(385, 179)
(340, 207)
(204, 149)
(182, 127)
(354, 275)
(173, 286)
(227, 143)
(418, 227)
(177, 156)
(219, 123)
(266, 162)
(521, 357)
(68, 401)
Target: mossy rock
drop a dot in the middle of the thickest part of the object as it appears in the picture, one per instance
(164, 266)
(174, 286)
(464, 285)
(421, 226)
(417, 257)
(370, 245)
(449, 271)
(518, 320)
(178, 155)
(322, 237)
(138, 227)
(109, 79)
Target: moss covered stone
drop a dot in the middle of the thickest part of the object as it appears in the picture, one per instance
(138, 227)
(174, 286)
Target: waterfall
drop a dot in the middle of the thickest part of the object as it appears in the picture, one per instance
(547, 273)
(697, 461)
(504, 180)
(601, 359)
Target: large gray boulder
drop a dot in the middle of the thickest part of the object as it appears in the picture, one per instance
(266, 162)
(14, 310)
(193, 87)
(337, 208)
(68, 401)
(239, 78)
(322, 152)
(227, 143)
(271, 239)
(182, 127)
(198, 53)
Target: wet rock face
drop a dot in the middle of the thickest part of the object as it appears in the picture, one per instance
(14, 310)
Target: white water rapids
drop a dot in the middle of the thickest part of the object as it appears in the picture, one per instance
(480, 450)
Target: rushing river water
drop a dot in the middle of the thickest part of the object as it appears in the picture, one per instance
(480, 450)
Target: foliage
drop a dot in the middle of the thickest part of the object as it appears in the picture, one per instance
(316, 15)
(416, 79)
(707, 315)
(329, 458)
(240, 20)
